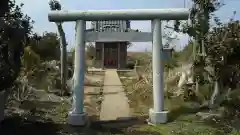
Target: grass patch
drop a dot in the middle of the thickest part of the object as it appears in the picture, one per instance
(183, 128)
(183, 121)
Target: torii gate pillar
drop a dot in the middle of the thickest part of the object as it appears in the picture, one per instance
(157, 114)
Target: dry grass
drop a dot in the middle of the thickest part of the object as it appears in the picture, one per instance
(182, 114)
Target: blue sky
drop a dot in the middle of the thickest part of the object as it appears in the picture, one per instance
(38, 10)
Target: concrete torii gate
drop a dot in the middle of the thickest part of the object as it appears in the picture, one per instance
(157, 114)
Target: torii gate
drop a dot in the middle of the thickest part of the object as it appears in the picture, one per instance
(157, 114)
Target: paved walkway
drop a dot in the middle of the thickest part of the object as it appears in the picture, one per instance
(115, 104)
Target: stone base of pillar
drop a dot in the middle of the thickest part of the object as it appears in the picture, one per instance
(76, 119)
(157, 117)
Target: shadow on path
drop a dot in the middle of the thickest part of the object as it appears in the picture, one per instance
(119, 126)
(16, 125)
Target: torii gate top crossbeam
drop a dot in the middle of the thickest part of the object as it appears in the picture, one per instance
(125, 14)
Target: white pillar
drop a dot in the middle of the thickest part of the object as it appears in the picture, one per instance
(157, 114)
(77, 116)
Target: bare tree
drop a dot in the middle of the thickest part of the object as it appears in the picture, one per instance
(55, 5)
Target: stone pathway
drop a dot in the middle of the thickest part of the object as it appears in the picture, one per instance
(115, 103)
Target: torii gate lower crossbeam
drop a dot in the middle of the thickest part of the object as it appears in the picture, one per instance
(157, 114)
